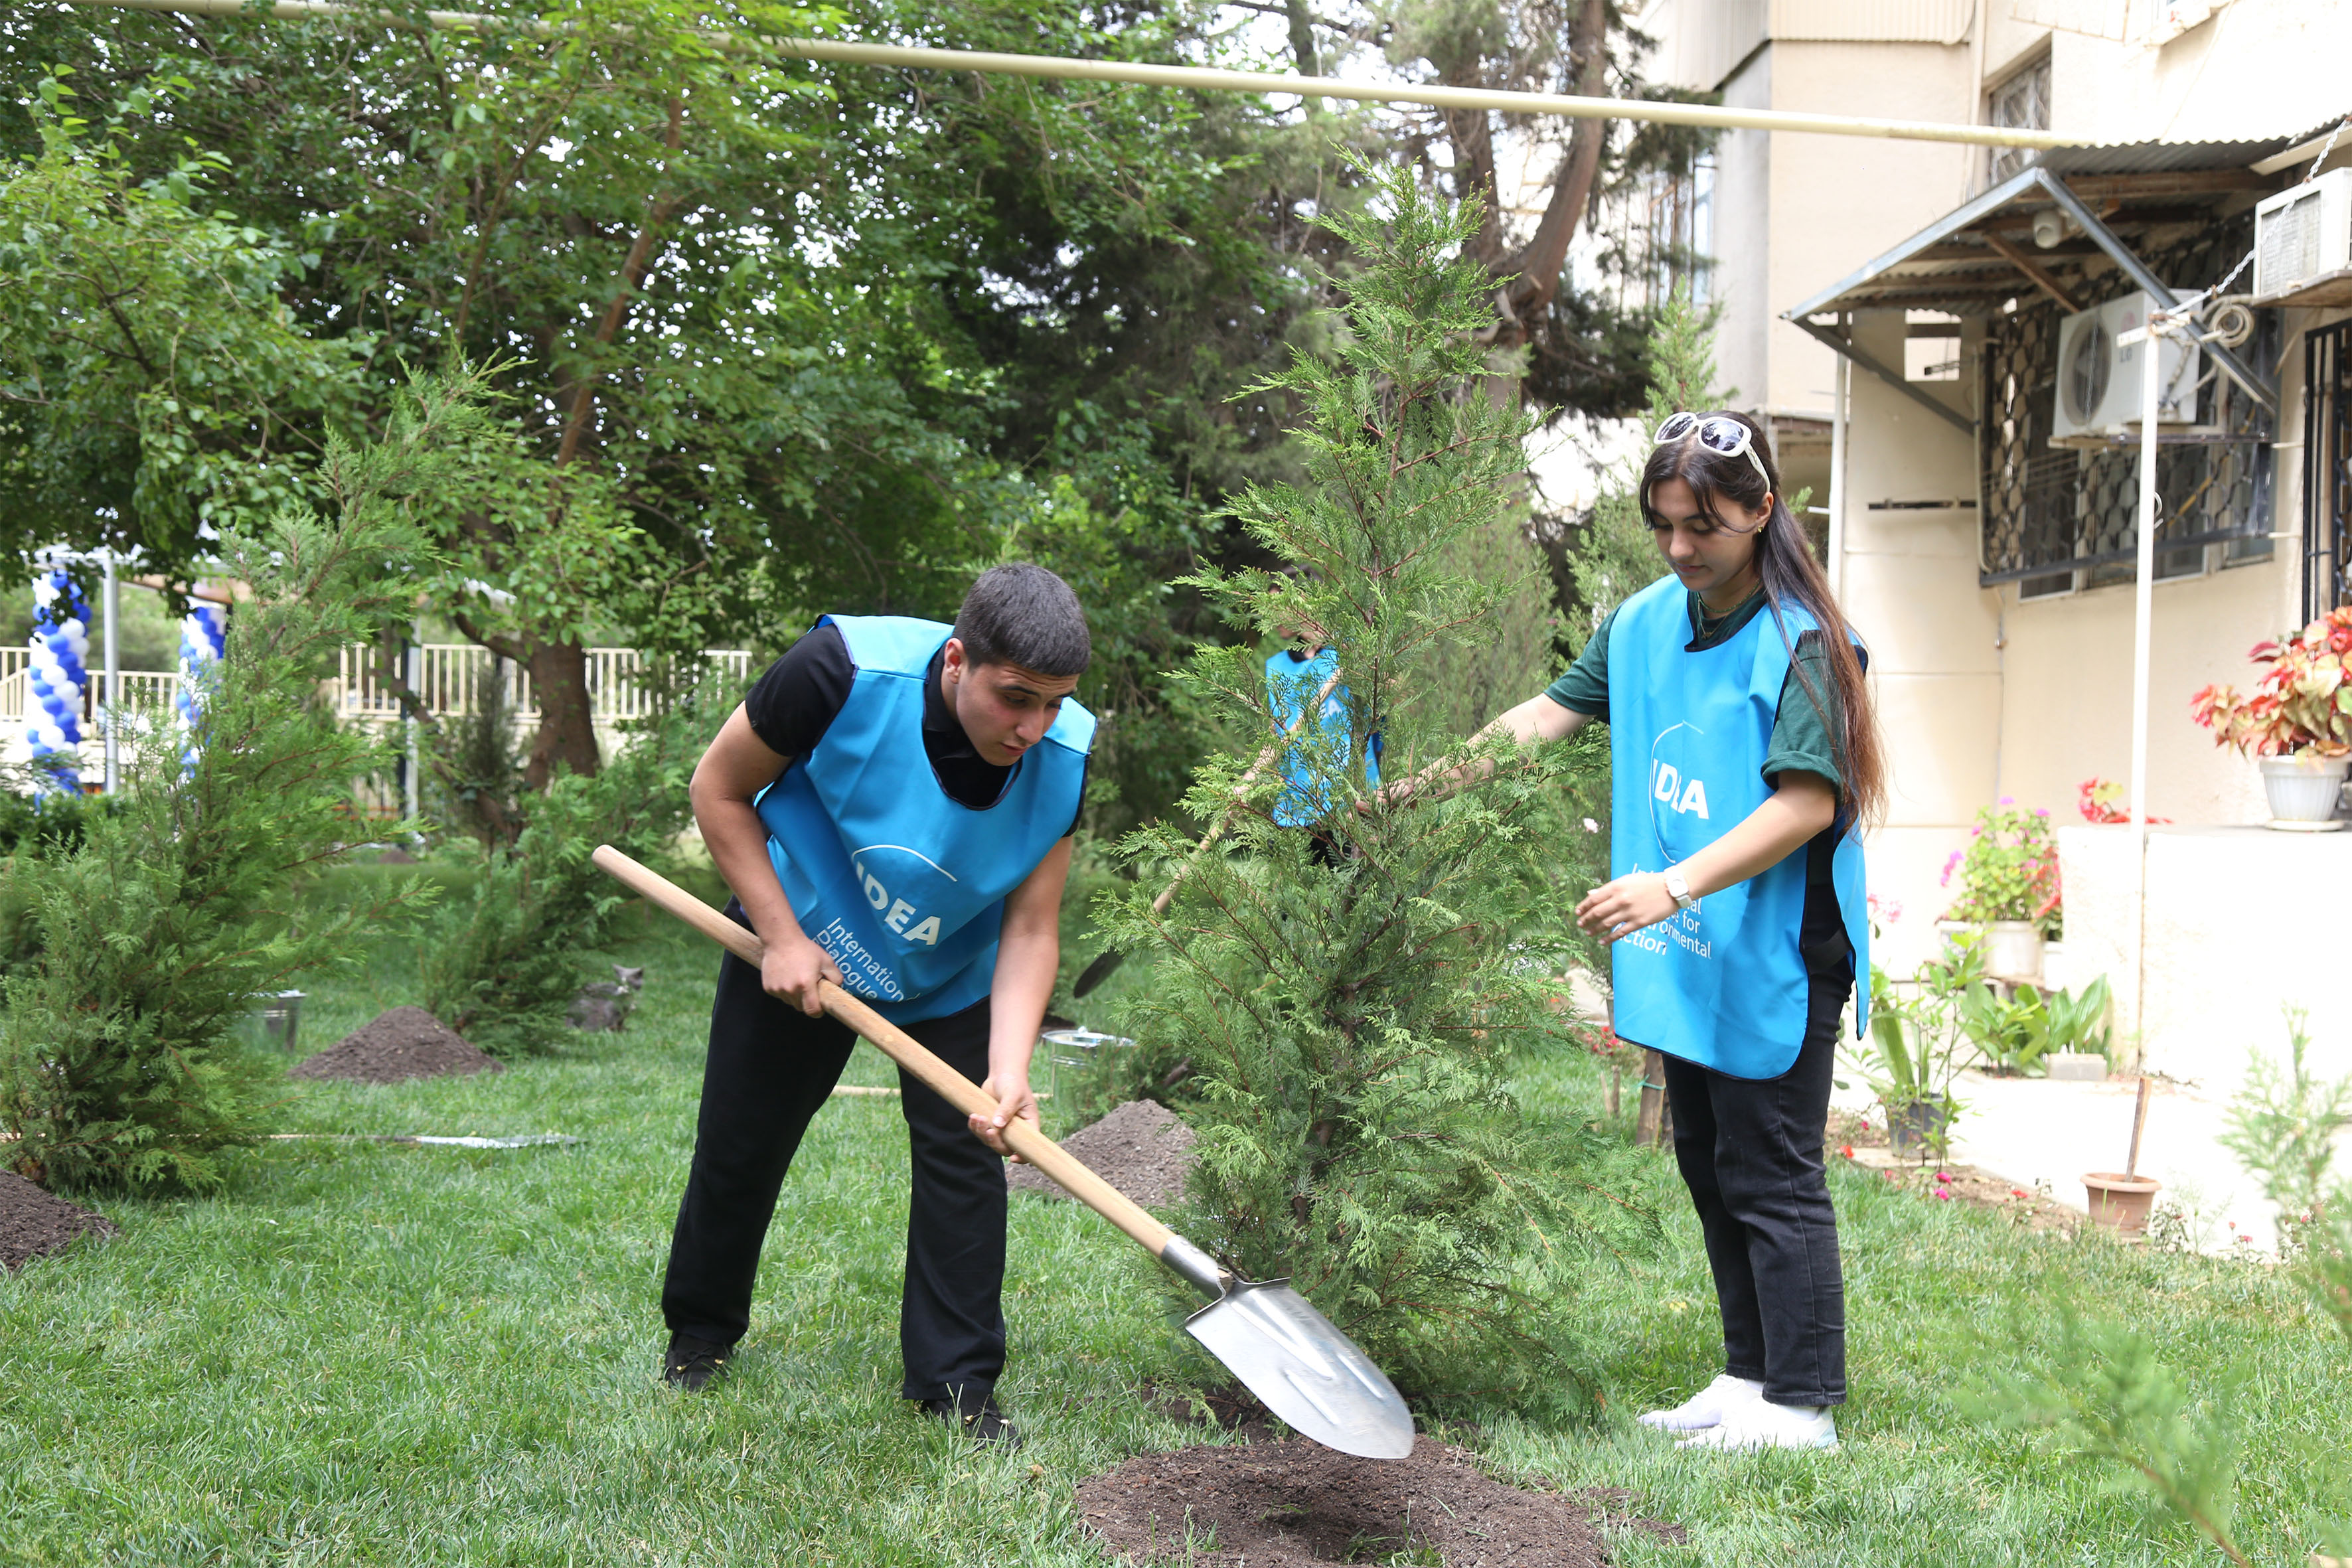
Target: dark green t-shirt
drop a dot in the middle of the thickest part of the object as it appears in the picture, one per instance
(1801, 739)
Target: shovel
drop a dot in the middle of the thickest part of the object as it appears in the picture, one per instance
(1268, 1335)
(1094, 973)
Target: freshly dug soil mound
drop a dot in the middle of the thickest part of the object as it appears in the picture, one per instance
(405, 1043)
(1142, 1148)
(35, 1223)
(1295, 1503)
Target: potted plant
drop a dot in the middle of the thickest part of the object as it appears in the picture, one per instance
(2025, 1035)
(2009, 888)
(1912, 1053)
(2297, 721)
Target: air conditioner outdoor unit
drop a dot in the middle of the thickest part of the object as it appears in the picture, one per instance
(2099, 378)
(2303, 233)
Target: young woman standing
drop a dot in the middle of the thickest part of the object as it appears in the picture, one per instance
(1744, 758)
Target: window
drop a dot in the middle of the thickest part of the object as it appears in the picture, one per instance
(1931, 347)
(2055, 585)
(2022, 102)
(1682, 232)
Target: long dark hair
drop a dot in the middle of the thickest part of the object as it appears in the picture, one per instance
(1789, 572)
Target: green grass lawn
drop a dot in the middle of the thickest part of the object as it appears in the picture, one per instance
(373, 1353)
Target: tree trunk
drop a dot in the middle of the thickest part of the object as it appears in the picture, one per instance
(567, 729)
(1538, 265)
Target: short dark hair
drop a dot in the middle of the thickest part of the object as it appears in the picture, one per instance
(1022, 613)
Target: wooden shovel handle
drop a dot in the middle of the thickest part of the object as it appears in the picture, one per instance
(903, 1048)
(1217, 828)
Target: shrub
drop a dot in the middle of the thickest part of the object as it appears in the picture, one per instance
(1350, 1029)
(504, 963)
(118, 1064)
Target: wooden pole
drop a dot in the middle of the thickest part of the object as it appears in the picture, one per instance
(2139, 1120)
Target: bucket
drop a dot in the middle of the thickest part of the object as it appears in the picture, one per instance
(1911, 1128)
(2303, 790)
(275, 1018)
(2120, 1200)
(1074, 1057)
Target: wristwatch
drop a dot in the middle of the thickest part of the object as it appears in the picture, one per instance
(1680, 889)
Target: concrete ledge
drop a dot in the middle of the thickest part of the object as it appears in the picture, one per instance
(2241, 923)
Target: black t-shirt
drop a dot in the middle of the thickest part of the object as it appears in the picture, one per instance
(792, 705)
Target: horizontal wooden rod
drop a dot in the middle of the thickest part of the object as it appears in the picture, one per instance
(1199, 79)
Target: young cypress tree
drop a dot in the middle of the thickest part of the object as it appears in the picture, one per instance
(145, 943)
(1351, 1010)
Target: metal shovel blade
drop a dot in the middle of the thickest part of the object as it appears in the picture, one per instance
(1306, 1370)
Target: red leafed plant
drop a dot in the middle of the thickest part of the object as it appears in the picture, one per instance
(2301, 703)
(2101, 801)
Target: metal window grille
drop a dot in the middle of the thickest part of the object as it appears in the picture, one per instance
(2326, 469)
(2048, 509)
(2020, 103)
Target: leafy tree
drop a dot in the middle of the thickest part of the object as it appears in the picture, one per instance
(1350, 1028)
(118, 1065)
(773, 338)
(1609, 556)
(153, 382)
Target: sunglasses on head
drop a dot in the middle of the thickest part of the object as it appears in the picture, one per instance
(1718, 433)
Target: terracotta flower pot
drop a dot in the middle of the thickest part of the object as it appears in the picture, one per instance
(2121, 1201)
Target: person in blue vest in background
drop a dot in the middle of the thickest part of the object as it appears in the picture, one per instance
(1293, 677)
(892, 804)
(1744, 759)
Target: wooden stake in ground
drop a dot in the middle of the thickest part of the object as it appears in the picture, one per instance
(1654, 1128)
(2139, 1120)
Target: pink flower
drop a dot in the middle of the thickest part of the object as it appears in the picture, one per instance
(2008, 800)
(2041, 811)
(1945, 1194)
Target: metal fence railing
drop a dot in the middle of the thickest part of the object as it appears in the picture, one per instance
(454, 678)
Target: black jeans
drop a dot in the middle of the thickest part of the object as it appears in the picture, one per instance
(1750, 1152)
(770, 1068)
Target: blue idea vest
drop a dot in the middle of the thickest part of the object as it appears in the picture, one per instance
(1290, 685)
(901, 884)
(1723, 986)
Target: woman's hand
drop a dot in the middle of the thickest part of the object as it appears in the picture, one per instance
(1622, 907)
(790, 971)
(1014, 1102)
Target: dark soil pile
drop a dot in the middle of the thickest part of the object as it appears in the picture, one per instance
(1142, 1148)
(35, 1223)
(405, 1043)
(1297, 1504)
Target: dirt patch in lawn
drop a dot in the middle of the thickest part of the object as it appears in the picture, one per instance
(405, 1043)
(2029, 1208)
(1294, 1504)
(34, 1222)
(1848, 1129)
(1142, 1148)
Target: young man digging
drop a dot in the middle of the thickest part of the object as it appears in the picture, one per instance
(892, 805)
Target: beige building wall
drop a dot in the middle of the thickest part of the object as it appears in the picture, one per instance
(1838, 201)
(1910, 585)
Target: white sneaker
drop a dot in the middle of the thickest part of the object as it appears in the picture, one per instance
(1759, 1425)
(1707, 1407)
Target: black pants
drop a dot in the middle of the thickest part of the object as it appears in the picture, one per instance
(1750, 1152)
(770, 1067)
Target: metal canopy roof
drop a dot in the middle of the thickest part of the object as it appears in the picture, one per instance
(1974, 258)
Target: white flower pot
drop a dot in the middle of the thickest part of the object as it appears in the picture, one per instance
(2013, 951)
(2303, 789)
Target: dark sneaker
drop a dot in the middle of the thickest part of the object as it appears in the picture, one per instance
(978, 1420)
(691, 1364)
